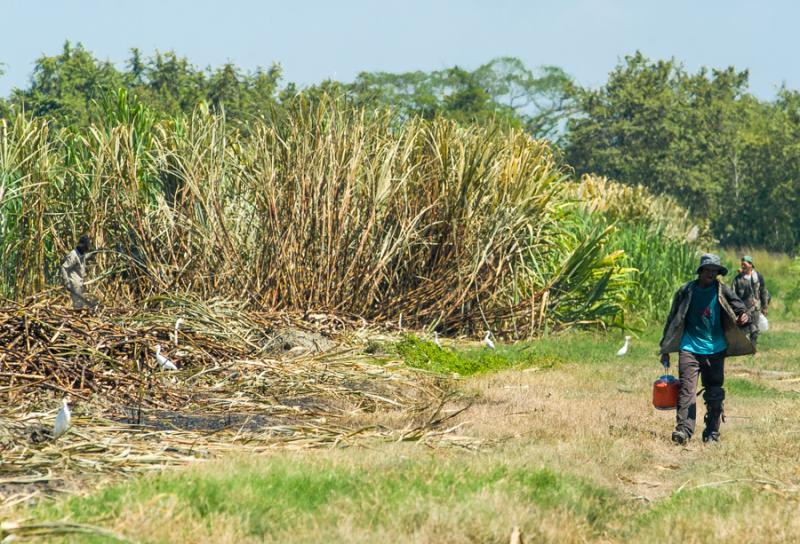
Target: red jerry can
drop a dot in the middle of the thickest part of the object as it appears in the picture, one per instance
(665, 392)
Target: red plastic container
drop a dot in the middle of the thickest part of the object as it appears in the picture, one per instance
(665, 392)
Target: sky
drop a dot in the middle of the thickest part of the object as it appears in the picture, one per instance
(315, 40)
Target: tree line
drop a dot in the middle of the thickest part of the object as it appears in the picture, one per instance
(701, 137)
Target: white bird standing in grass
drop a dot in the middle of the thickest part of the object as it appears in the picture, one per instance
(488, 341)
(624, 349)
(163, 362)
(436, 339)
(63, 419)
(177, 326)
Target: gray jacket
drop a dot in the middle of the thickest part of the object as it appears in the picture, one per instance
(732, 306)
(752, 290)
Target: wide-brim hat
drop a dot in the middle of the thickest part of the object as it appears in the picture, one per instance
(712, 260)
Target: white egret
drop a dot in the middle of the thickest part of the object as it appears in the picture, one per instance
(163, 362)
(436, 339)
(177, 326)
(624, 349)
(63, 419)
(488, 341)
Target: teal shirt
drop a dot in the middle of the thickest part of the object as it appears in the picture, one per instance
(703, 334)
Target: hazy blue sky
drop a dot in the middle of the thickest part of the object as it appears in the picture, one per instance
(315, 39)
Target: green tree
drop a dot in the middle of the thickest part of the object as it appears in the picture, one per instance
(136, 68)
(655, 125)
(768, 174)
(71, 88)
(540, 98)
(502, 89)
(65, 87)
(172, 85)
(700, 137)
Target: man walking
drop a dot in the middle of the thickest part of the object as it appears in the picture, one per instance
(750, 287)
(703, 327)
(73, 271)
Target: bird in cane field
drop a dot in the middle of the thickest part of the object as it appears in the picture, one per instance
(163, 362)
(624, 349)
(488, 341)
(436, 339)
(63, 419)
(177, 326)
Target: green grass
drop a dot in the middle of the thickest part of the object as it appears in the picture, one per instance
(597, 505)
(268, 497)
(593, 347)
(426, 355)
(673, 515)
(576, 347)
(741, 387)
(778, 350)
(772, 340)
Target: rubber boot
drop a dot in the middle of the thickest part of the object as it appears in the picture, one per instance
(714, 397)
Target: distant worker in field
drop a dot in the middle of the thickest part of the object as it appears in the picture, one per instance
(703, 327)
(73, 272)
(750, 287)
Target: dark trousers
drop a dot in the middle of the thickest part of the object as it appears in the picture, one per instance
(711, 369)
(754, 315)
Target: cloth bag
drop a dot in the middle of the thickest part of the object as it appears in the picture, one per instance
(763, 324)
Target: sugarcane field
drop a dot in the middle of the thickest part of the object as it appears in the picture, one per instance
(287, 275)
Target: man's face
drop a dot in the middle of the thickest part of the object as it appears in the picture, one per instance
(746, 267)
(707, 275)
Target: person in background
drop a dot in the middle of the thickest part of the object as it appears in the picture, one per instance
(73, 272)
(703, 327)
(749, 286)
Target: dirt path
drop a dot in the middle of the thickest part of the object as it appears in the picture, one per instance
(597, 420)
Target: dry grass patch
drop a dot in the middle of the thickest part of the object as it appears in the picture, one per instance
(573, 452)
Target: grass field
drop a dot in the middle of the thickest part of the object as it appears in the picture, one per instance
(571, 451)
